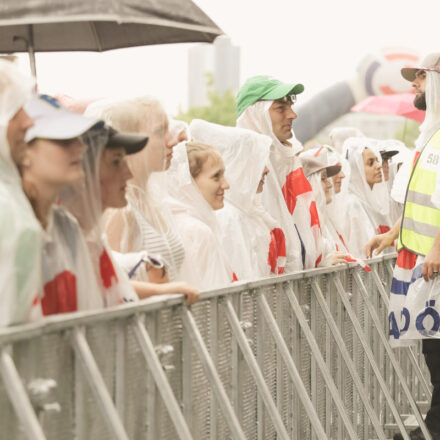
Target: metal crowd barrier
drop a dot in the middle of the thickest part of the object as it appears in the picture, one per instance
(302, 356)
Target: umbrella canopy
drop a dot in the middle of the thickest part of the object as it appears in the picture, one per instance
(397, 104)
(98, 25)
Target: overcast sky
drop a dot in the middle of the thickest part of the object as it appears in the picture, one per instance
(316, 42)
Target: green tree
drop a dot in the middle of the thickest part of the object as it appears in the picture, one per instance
(220, 110)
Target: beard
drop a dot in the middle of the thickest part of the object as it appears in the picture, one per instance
(420, 101)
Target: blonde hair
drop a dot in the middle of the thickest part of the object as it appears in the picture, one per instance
(129, 115)
(198, 154)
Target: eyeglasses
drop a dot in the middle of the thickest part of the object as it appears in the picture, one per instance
(289, 99)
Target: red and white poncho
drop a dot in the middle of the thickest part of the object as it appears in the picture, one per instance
(300, 220)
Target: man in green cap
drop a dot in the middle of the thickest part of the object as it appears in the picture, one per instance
(264, 105)
(282, 96)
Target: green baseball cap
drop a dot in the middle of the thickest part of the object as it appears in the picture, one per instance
(264, 88)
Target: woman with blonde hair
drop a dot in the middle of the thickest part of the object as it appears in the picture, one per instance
(145, 224)
(197, 185)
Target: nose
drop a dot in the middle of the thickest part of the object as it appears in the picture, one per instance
(291, 114)
(171, 141)
(127, 172)
(328, 183)
(265, 171)
(225, 184)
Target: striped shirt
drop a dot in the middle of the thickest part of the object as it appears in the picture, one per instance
(167, 244)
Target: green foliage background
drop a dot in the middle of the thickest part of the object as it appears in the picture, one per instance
(220, 110)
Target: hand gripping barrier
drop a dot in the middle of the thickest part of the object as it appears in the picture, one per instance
(302, 356)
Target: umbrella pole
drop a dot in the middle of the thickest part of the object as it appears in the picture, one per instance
(31, 51)
(29, 43)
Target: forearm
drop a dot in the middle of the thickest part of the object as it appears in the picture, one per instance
(145, 290)
(394, 231)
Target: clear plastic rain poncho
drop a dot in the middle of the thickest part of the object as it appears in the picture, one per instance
(402, 158)
(286, 174)
(206, 265)
(315, 179)
(337, 208)
(20, 231)
(253, 240)
(145, 225)
(368, 209)
(84, 201)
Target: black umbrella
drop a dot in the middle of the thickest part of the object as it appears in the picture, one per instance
(98, 25)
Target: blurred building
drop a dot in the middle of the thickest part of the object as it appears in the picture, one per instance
(221, 59)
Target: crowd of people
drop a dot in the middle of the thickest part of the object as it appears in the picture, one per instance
(119, 203)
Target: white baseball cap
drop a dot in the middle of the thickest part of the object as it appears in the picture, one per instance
(53, 121)
(316, 159)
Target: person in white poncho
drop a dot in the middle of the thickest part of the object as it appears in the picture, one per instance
(197, 185)
(106, 175)
(53, 160)
(254, 242)
(144, 225)
(265, 105)
(20, 231)
(319, 172)
(368, 199)
(336, 209)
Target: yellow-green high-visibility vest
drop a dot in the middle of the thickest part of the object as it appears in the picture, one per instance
(421, 218)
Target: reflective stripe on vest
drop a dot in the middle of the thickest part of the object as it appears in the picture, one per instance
(421, 219)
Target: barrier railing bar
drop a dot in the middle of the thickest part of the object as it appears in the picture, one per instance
(291, 367)
(212, 375)
(339, 378)
(161, 380)
(187, 378)
(279, 366)
(120, 371)
(261, 331)
(19, 398)
(328, 361)
(213, 337)
(313, 367)
(97, 384)
(409, 351)
(255, 370)
(153, 415)
(370, 356)
(316, 352)
(391, 355)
